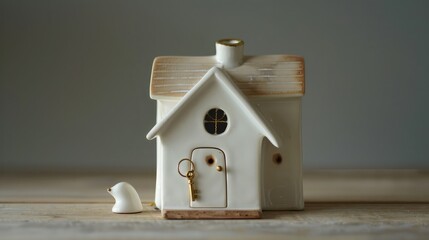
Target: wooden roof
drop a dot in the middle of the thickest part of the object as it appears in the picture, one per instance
(268, 75)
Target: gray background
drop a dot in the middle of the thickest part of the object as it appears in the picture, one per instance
(75, 76)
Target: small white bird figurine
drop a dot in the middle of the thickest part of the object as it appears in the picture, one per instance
(127, 199)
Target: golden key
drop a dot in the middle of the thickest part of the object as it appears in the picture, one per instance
(192, 190)
(190, 176)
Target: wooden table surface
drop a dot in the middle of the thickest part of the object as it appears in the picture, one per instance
(77, 206)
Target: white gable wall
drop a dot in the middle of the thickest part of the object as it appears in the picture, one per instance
(241, 144)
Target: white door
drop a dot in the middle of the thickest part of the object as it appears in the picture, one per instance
(210, 178)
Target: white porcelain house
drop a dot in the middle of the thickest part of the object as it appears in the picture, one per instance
(228, 133)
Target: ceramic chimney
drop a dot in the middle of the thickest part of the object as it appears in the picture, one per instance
(229, 52)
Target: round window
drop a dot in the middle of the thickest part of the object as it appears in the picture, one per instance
(215, 121)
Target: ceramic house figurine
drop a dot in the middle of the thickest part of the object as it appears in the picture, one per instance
(228, 133)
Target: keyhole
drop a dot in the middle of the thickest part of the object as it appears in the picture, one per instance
(277, 158)
(210, 160)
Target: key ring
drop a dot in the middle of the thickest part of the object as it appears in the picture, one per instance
(192, 167)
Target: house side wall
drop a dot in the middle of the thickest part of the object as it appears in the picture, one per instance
(162, 108)
(282, 178)
(158, 161)
(242, 153)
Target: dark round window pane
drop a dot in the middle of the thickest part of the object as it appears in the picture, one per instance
(215, 121)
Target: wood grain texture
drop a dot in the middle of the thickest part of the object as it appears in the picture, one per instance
(379, 185)
(70, 187)
(77, 206)
(268, 75)
(318, 220)
(215, 214)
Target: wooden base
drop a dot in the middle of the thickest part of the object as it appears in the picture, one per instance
(211, 214)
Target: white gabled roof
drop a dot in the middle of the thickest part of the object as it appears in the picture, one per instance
(227, 85)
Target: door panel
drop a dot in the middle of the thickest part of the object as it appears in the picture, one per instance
(210, 178)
